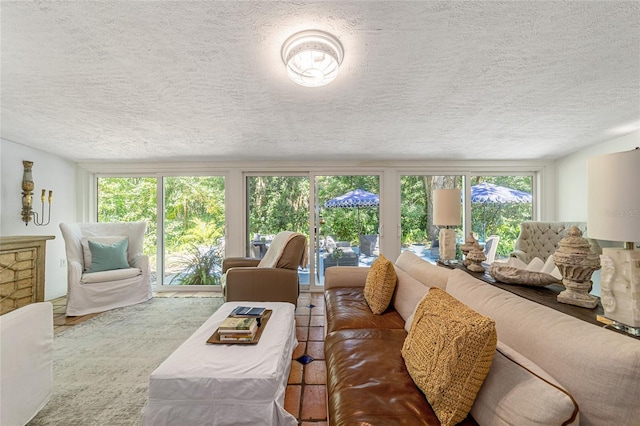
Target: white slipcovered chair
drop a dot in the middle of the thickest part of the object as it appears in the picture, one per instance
(26, 356)
(540, 239)
(90, 291)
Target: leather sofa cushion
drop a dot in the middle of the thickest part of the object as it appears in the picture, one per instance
(368, 383)
(346, 308)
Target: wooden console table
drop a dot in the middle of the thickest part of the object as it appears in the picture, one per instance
(546, 296)
(22, 270)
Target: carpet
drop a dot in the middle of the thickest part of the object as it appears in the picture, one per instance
(101, 367)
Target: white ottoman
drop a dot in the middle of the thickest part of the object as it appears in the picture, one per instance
(213, 384)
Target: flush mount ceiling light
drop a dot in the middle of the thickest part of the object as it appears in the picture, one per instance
(312, 57)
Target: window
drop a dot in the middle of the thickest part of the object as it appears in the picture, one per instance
(419, 234)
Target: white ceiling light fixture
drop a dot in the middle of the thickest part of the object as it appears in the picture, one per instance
(312, 57)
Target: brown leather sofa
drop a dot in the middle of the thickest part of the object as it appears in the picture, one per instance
(244, 280)
(367, 381)
(553, 368)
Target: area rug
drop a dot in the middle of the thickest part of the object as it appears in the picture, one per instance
(101, 367)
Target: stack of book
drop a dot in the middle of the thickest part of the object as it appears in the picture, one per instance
(241, 325)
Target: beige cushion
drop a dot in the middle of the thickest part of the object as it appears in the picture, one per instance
(381, 281)
(601, 368)
(112, 275)
(518, 392)
(103, 240)
(409, 320)
(448, 353)
(409, 292)
(427, 273)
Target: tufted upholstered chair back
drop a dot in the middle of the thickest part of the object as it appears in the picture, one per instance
(540, 239)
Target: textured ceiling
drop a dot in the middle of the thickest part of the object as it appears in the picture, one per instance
(177, 80)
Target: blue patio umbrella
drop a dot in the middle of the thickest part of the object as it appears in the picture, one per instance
(486, 192)
(354, 199)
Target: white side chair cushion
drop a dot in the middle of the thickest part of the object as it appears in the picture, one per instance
(518, 392)
(112, 275)
(86, 251)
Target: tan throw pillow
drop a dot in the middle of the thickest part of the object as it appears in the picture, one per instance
(448, 353)
(381, 281)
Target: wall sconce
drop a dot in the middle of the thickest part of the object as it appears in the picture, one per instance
(27, 198)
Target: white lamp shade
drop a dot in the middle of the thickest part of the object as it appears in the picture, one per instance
(613, 210)
(447, 207)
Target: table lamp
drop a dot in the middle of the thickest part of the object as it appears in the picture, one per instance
(446, 214)
(613, 214)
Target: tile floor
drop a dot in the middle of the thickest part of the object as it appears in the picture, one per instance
(306, 389)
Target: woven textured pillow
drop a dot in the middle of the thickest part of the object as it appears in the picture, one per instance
(448, 353)
(381, 281)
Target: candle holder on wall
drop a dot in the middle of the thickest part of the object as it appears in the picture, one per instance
(27, 199)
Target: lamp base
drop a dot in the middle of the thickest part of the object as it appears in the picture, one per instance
(620, 286)
(634, 331)
(447, 238)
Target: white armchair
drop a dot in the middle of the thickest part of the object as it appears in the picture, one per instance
(26, 356)
(90, 291)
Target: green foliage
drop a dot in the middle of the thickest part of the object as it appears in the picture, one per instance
(130, 200)
(278, 203)
(199, 267)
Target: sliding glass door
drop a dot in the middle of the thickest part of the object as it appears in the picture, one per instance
(193, 230)
(347, 213)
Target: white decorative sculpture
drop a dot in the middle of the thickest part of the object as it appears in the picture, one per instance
(476, 256)
(469, 242)
(576, 263)
(620, 287)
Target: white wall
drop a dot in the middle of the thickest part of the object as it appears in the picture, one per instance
(571, 175)
(50, 172)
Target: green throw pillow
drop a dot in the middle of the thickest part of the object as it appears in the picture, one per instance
(105, 257)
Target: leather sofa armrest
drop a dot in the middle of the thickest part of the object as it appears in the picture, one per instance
(345, 276)
(236, 262)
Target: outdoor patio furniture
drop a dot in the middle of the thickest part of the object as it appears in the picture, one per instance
(369, 244)
(338, 253)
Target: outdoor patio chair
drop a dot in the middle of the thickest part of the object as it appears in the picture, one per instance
(338, 253)
(103, 272)
(274, 278)
(369, 244)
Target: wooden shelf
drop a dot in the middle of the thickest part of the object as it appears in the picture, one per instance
(546, 296)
